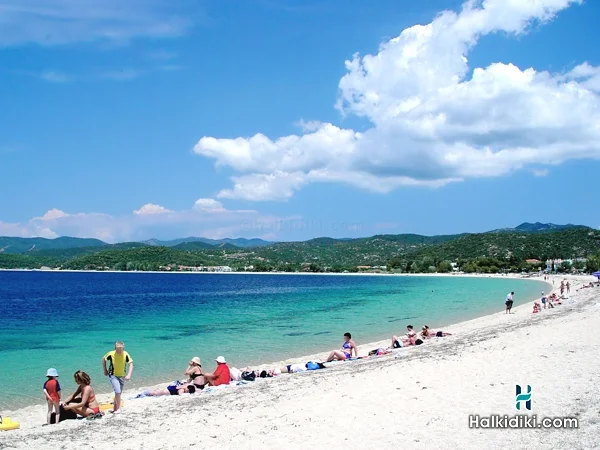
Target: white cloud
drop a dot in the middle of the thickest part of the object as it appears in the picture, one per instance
(431, 123)
(540, 172)
(150, 208)
(207, 217)
(53, 214)
(587, 75)
(52, 22)
(209, 205)
(276, 186)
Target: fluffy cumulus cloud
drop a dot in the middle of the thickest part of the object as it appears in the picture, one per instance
(150, 208)
(51, 22)
(434, 119)
(207, 218)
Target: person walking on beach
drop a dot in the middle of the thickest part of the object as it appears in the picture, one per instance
(509, 302)
(118, 360)
(52, 393)
(568, 287)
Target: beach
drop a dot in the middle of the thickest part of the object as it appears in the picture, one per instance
(419, 397)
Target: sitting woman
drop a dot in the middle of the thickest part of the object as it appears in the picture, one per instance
(346, 351)
(195, 374)
(89, 406)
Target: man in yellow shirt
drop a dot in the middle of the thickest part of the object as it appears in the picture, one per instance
(118, 360)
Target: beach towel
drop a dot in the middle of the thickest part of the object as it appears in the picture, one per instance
(236, 374)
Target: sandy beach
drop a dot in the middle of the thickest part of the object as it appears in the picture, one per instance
(419, 397)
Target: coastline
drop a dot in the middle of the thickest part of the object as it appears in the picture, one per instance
(364, 348)
(420, 399)
(371, 274)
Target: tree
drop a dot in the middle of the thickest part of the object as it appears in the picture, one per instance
(394, 263)
(444, 267)
(566, 266)
(593, 263)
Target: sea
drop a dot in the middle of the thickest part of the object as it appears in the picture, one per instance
(69, 320)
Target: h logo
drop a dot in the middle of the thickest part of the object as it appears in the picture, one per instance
(524, 397)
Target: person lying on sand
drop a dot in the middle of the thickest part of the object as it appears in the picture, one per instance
(171, 390)
(427, 333)
(346, 351)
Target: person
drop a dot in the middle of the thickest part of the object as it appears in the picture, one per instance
(348, 347)
(195, 374)
(221, 375)
(426, 332)
(509, 302)
(410, 338)
(543, 300)
(88, 406)
(171, 390)
(118, 360)
(568, 287)
(52, 393)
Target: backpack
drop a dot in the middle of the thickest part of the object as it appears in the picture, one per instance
(248, 376)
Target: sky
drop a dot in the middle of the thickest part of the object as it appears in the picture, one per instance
(293, 119)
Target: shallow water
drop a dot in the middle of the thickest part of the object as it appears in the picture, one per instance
(69, 320)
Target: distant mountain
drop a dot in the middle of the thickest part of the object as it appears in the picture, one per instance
(191, 246)
(14, 245)
(239, 242)
(243, 242)
(533, 227)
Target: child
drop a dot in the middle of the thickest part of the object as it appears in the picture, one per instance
(52, 394)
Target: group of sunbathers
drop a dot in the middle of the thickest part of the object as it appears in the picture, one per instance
(197, 379)
(411, 337)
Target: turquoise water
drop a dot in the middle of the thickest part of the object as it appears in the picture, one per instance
(69, 320)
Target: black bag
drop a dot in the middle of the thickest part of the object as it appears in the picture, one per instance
(65, 414)
(248, 376)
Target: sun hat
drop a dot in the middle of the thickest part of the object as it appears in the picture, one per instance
(220, 360)
(52, 373)
(196, 360)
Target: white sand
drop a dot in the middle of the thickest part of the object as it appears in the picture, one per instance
(421, 399)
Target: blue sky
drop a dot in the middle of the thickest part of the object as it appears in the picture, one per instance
(248, 118)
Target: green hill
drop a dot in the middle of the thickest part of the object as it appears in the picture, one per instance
(493, 251)
(566, 243)
(13, 245)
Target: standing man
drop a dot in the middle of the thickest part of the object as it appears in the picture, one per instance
(118, 360)
(509, 302)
